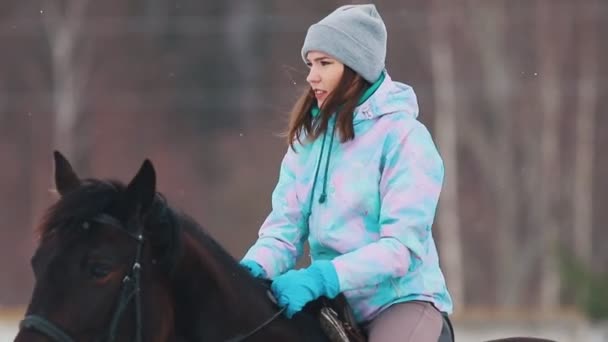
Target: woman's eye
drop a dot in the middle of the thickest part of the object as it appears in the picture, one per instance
(324, 63)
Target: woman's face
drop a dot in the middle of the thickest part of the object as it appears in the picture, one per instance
(324, 75)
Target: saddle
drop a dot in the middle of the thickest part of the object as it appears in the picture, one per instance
(335, 316)
(338, 322)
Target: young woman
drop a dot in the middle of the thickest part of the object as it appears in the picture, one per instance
(360, 181)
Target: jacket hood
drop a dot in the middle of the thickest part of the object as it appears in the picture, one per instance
(390, 97)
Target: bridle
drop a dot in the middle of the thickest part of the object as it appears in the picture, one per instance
(130, 290)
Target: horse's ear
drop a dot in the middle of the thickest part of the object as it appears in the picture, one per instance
(142, 188)
(66, 179)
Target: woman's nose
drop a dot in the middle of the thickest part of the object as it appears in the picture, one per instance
(313, 76)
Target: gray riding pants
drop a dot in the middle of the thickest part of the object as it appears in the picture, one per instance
(405, 322)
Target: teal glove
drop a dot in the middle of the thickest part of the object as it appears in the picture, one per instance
(296, 288)
(254, 268)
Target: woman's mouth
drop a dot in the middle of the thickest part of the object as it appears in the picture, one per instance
(320, 94)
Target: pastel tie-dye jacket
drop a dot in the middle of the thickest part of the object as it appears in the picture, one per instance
(375, 224)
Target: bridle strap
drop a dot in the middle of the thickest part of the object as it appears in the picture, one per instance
(42, 325)
(128, 291)
(137, 282)
(115, 223)
(131, 282)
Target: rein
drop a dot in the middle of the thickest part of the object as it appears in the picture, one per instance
(241, 338)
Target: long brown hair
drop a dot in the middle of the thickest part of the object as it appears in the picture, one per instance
(345, 98)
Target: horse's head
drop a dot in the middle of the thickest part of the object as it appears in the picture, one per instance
(102, 262)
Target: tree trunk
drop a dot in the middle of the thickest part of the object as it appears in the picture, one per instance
(585, 124)
(551, 43)
(488, 25)
(63, 28)
(442, 70)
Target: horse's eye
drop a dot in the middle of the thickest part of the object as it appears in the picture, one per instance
(99, 270)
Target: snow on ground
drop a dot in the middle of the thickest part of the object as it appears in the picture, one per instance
(8, 330)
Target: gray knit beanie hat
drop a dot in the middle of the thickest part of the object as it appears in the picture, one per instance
(353, 34)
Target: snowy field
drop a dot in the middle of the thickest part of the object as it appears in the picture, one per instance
(8, 330)
(562, 331)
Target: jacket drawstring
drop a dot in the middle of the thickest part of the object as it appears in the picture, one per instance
(314, 181)
(323, 196)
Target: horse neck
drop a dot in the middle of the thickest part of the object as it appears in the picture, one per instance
(211, 287)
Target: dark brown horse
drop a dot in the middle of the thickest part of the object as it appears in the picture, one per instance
(116, 263)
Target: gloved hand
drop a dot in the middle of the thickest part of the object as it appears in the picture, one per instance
(295, 288)
(254, 268)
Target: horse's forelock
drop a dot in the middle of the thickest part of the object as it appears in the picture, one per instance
(91, 199)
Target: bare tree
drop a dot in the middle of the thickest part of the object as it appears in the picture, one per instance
(585, 125)
(495, 151)
(70, 67)
(442, 70)
(243, 22)
(551, 44)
